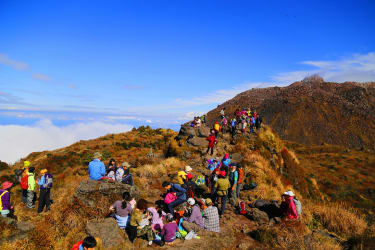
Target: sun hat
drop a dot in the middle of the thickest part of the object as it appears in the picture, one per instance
(97, 155)
(43, 171)
(191, 201)
(26, 164)
(289, 193)
(208, 201)
(7, 185)
(188, 169)
(125, 164)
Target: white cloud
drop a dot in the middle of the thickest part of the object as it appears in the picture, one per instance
(122, 117)
(41, 77)
(358, 68)
(5, 60)
(22, 140)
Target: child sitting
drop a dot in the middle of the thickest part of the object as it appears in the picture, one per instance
(157, 214)
(170, 229)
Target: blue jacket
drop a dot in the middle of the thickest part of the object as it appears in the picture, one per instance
(96, 169)
(180, 192)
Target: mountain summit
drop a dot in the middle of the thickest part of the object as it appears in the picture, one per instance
(313, 112)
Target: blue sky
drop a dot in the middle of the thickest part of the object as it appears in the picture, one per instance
(125, 63)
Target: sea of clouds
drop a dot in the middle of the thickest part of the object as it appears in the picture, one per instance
(17, 141)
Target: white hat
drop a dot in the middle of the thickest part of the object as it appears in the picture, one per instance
(289, 193)
(191, 201)
(188, 169)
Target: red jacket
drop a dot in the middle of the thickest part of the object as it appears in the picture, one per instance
(211, 141)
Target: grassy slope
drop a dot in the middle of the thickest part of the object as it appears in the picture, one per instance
(65, 224)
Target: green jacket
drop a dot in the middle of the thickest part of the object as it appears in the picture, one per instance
(31, 182)
(222, 185)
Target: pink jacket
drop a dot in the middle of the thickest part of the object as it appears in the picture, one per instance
(170, 197)
(288, 208)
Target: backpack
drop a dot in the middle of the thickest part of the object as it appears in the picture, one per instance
(200, 180)
(48, 178)
(24, 182)
(1, 202)
(298, 205)
(217, 127)
(241, 175)
(77, 245)
(242, 207)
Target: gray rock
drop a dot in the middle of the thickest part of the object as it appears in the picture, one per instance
(203, 131)
(87, 190)
(186, 130)
(25, 226)
(257, 215)
(198, 141)
(107, 230)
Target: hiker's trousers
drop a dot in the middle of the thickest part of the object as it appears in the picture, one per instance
(44, 199)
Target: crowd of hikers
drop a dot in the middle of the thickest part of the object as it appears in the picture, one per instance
(188, 205)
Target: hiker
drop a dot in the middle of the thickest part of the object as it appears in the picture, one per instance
(24, 182)
(222, 112)
(212, 182)
(170, 197)
(112, 166)
(241, 178)
(224, 124)
(195, 220)
(5, 206)
(233, 126)
(225, 162)
(258, 122)
(203, 119)
(198, 122)
(180, 193)
(190, 186)
(122, 209)
(158, 215)
(211, 142)
(139, 223)
(212, 164)
(45, 185)
(89, 243)
(233, 179)
(96, 167)
(217, 129)
(211, 217)
(288, 207)
(222, 185)
(123, 174)
(30, 188)
(169, 231)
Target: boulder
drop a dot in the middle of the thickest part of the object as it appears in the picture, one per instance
(198, 141)
(88, 191)
(186, 130)
(257, 215)
(203, 131)
(107, 230)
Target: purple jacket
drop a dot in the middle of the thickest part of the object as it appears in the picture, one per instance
(196, 216)
(5, 199)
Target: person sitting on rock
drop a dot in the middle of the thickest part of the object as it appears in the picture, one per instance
(195, 221)
(211, 142)
(169, 231)
(96, 168)
(222, 185)
(122, 209)
(211, 217)
(287, 207)
(123, 174)
(139, 223)
(89, 243)
(112, 166)
(180, 193)
(157, 214)
(5, 206)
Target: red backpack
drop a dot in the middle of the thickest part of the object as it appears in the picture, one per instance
(77, 245)
(24, 182)
(242, 207)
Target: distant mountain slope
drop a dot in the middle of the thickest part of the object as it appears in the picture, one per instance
(313, 112)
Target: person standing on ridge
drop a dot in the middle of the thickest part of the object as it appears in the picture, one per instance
(96, 167)
(31, 188)
(45, 184)
(211, 142)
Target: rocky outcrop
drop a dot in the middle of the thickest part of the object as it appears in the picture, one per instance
(257, 215)
(198, 141)
(88, 191)
(108, 231)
